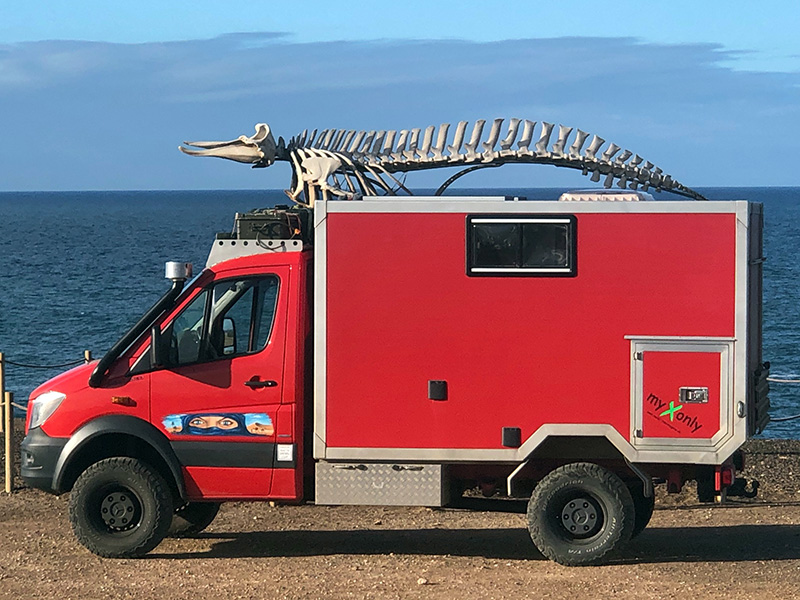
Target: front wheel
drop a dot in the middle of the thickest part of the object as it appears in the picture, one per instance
(579, 513)
(120, 508)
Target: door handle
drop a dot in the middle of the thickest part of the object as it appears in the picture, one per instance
(255, 383)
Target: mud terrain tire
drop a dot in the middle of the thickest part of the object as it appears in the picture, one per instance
(579, 513)
(120, 508)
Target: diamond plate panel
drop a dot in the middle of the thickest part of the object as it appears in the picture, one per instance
(380, 484)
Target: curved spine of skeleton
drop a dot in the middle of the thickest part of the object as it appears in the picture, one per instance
(340, 162)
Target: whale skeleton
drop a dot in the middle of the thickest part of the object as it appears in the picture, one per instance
(346, 163)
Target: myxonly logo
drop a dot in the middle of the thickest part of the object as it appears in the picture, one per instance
(672, 415)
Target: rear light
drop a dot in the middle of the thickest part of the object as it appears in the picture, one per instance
(727, 476)
(724, 477)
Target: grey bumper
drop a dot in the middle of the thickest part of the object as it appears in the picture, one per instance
(39, 455)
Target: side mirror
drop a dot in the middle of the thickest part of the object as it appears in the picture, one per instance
(228, 336)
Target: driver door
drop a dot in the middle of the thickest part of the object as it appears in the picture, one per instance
(217, 399)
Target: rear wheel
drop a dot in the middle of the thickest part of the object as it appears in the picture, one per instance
(579, 513)
(192, 518)
(120, 508)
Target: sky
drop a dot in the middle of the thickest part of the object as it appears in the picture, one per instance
(97, 95)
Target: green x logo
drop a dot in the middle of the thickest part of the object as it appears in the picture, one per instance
(671, 410)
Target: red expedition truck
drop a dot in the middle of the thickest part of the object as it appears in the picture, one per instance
(386, 351)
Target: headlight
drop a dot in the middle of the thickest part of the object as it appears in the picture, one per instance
(43, 406)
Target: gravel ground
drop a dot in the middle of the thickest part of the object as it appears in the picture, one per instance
(741, 549)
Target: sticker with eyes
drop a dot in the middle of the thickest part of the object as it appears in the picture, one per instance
(206, 424)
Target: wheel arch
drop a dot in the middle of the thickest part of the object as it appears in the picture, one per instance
(117, 435)
(555, 451)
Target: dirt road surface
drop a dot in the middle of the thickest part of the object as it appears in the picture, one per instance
(743, 549)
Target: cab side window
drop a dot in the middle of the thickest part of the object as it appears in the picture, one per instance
(229, 318)
(230, 330)
(242, 315)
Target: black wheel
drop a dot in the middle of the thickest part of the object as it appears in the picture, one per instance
(120, 508)
(642, 506)
(579, 513)
(192, 518)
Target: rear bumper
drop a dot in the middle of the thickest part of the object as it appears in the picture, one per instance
(39, 455)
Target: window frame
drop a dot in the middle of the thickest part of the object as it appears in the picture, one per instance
(517, 218)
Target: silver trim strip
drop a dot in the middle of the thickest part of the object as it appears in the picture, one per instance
(681, 338)
(513, 221)
(498, 204)
(740, 364)
(518, 270)
(512, 476)
(320, 324)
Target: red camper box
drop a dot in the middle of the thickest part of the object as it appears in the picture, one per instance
(401, 351)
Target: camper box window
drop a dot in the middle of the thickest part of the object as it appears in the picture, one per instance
(527, 245)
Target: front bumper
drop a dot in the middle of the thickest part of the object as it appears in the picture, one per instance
(39, 455)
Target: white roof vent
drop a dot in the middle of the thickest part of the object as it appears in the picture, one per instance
(605, 196)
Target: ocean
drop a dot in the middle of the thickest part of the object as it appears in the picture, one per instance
(77, 269)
